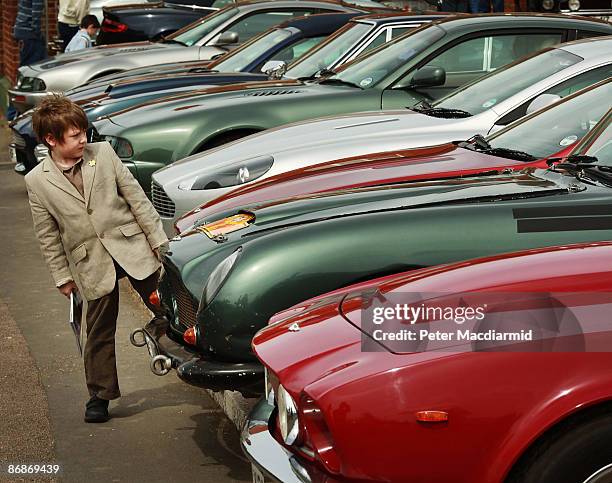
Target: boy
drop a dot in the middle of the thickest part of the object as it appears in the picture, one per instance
(87, 206)
(85, 37)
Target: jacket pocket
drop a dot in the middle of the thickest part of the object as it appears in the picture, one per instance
(79, 253)
(131, 229)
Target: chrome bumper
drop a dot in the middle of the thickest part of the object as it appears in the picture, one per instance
(165, 353)
(269, 456)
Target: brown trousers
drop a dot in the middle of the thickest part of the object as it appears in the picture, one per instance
(101, 319)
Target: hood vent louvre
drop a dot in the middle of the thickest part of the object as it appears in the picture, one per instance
(270, 93)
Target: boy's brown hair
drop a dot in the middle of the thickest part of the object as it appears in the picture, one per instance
(55, 115)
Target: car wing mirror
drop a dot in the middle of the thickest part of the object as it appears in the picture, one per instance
(274, 69)
(542, 101)
(226, 38)
(428, 76)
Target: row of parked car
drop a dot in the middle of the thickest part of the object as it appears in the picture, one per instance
(375, 157)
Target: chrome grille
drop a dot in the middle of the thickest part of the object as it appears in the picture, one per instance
(185, 310)
(162, 203)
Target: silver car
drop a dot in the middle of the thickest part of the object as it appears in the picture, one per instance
(481, 107)
(211, 36)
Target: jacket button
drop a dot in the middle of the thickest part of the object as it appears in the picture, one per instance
(89, 211)
(101, 235)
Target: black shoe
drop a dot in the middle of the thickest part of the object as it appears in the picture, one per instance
(96, 410)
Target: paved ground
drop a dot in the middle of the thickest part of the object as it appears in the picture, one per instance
(162, 429)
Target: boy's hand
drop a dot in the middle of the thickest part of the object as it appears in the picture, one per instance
(68, 288)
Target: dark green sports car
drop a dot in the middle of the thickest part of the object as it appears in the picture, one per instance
(428, 63)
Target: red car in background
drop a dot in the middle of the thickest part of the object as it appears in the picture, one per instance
(558, 128)
(334, 412)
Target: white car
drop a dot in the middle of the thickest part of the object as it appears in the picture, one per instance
(481, 107)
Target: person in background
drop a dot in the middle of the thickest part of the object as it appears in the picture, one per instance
(482, 6)
(69, 17)
(85, 37)
(28, 33)
(454, 6)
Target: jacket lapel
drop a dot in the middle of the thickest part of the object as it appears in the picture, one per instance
(88, 171)
(56, 178)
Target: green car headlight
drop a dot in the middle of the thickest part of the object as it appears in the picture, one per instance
(218, 276)
(548, 4)
(122, 147)
(232, 174)
(287, 416)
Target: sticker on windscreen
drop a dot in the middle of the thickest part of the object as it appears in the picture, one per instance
(366, 82)
(489, 103)
(566, 141)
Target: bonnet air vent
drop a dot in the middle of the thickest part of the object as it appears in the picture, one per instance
(270, 93)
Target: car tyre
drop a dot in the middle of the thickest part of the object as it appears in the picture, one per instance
(577, 452)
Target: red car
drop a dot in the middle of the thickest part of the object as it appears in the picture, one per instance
(334, 412)
(558, 127)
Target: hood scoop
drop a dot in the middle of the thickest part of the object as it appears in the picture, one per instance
(275, 92)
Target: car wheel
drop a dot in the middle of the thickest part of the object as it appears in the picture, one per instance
(578, 452)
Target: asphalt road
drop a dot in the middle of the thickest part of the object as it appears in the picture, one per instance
(161, 430)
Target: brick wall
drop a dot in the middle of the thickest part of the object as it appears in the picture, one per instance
(9, 52)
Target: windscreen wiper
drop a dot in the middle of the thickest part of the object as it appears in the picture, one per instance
(172, 41)
(318, 75)
(426, 108)
(577, 163)
(340, 82)
(480, 144)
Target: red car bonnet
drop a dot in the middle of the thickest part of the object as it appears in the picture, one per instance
(327, 341)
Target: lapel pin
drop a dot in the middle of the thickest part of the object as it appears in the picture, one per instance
(92, 162)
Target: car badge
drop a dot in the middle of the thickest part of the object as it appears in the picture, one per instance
(294, 327)
(92, 162)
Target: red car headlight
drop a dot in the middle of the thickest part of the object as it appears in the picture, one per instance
(317, 434)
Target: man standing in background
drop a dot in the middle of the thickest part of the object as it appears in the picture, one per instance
(27, 32)
(69, 17)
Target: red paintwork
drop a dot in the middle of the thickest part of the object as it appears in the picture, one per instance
(441, 161)
(498, 402)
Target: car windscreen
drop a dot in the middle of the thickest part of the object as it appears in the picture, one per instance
(503, 83)
(240, 58)
(329, 51)
(557, 127)
(190, 36)
(369, 70)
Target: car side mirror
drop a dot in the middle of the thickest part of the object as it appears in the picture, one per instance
(227, 38)
(541, 101)
(428, 76)
(274, 69)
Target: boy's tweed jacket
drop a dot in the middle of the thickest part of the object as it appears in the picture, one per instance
(114, 219)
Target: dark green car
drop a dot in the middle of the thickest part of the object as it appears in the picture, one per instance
(224, 280)
(428, 63)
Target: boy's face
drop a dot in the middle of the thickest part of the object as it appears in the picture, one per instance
(92, 32)
(72, 146)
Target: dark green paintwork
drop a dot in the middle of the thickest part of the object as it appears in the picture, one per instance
(300, 248)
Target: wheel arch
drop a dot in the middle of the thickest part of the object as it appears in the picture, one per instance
(571, 419)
